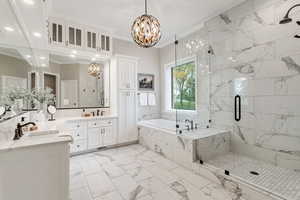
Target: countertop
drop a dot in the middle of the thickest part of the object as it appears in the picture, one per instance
(31, 141)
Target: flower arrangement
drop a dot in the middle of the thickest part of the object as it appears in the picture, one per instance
(37, 96)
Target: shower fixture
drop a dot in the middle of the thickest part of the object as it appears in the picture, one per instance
(286, 19)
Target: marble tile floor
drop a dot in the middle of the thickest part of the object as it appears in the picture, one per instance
(135, 173)
(282, 181)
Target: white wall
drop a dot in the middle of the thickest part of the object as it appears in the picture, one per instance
(149, 63)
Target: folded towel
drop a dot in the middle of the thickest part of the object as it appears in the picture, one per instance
(151, 99)
(143, 99)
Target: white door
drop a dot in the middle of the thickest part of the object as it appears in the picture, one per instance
(123, 132)
(127, 73)
(74, 36)
(94, 138)
(131, 116)
(109, 137)
(69, 93)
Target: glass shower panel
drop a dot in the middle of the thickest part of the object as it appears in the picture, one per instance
(190, 82)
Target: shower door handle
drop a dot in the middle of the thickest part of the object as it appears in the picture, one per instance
(237, 108)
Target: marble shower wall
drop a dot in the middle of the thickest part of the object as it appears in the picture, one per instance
(258, 59)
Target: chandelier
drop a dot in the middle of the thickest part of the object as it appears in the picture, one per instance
(94, 70)
(145, 30)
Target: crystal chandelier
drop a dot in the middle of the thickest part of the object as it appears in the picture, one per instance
(145, 30)
(94, 69)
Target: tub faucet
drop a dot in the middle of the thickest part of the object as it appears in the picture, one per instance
(19, 131)
(191, 122)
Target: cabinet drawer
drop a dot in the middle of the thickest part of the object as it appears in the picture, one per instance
(73, 125)
(77, 134)
(99, 123)
(79, 145)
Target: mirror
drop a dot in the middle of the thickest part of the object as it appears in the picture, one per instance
(40, 76)
(51, 109)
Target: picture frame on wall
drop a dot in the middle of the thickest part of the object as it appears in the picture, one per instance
(146, 82)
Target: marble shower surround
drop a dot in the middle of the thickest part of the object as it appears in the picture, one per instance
(258, 59)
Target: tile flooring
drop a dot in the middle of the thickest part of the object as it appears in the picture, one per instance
(282, 181)
(135, 173)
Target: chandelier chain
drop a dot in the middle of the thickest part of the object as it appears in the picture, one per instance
(146, 7)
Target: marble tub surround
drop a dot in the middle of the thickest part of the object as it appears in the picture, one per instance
(185, 148)
(136, 173)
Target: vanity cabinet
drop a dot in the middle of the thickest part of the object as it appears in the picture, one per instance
(78, 131)
(90, 134)
(101, 134)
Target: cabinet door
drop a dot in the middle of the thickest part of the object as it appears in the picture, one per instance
(56, 33)
(131, 117)
(74, 36)
(91, 40)
(94, 138)
(105, 43)
(127, 73)
(109, 137)
(122, 129)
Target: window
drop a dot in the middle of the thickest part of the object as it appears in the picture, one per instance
(183, 86)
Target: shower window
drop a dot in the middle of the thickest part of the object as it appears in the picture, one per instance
(182, 79)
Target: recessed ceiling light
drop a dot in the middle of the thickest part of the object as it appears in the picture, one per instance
(97, 55)
(37, 34)
(28, 56)
(93, 59)
(42, 57)
(72, 56)
(74, 52)
(29, 2)
(9, 29)
(43, 65)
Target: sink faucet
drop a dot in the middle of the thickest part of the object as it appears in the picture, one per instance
(191, 122)
(19, 131)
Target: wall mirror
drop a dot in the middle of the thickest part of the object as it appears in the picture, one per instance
(69, 80)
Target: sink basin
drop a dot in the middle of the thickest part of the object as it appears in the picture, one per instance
(40, 133)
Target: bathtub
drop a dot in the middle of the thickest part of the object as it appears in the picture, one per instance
(160, 136)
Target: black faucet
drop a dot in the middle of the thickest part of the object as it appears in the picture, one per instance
(19, 131)
(191, 122)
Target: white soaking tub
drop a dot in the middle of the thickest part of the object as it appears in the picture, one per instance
(160, 136)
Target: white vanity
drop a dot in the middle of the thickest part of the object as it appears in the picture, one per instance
(89, 133)
(35, 168)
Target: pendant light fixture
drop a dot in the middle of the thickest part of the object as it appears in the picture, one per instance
(94, 69)
(145, 30)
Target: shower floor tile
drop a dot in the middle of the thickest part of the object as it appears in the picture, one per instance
(282, 181)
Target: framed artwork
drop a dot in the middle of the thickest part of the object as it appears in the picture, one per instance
(146, 82)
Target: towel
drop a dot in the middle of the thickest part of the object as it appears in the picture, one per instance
(143, 99)
(151, 99)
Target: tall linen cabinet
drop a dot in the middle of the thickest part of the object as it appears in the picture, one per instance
(124, 96)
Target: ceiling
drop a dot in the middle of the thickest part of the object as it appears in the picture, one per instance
(179, 17)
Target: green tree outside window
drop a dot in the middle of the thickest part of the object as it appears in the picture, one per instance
(184, 87)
